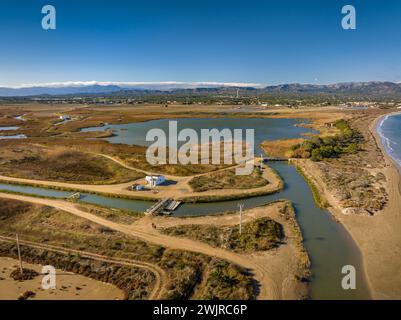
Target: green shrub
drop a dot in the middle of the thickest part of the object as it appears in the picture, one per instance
(317, 149)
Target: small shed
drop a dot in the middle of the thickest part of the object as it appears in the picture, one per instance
(155, 180)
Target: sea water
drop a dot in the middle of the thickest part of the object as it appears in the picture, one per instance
(389, 129)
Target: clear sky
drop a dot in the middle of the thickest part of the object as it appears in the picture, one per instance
(262, 41)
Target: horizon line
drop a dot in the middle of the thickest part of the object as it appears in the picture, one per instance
(178, 84)
(63, 84)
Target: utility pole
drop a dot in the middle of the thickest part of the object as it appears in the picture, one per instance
(19, 256)
(240, 205)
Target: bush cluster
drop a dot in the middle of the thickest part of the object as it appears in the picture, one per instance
(319, 148)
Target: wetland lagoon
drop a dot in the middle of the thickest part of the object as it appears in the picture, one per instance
(329, 245)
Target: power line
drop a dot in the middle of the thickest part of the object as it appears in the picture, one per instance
(241, 206)
(19, 256)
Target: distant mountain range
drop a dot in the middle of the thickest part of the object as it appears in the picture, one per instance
(93, 87)
(372, 88)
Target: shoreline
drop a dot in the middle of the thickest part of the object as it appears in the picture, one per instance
(378, 122)
(390, 162)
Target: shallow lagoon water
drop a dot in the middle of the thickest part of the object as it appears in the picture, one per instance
(265, 128)
(16, 136)
(8, 128)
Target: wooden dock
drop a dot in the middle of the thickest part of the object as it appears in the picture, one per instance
(173, 205)
(165, 206)
(267, 159)
(75, 196)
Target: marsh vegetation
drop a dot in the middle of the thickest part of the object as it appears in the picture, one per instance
(227, 179)
(258, 235)
(62, 164)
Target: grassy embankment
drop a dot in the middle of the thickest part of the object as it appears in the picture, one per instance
(303, 272)
(227, 179)
(246, 194)
(317, 197)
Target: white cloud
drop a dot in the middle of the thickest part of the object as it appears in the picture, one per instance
(161, 84)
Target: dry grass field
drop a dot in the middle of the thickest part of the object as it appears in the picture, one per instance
(259, 235)
(227, 179)
(24, 160)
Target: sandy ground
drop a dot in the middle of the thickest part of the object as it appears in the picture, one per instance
(274, 270)
(378, 237)
(69, 286)
(160, 274)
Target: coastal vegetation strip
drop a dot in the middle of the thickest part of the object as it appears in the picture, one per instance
(348, 141)
(303, 272)
(318, 197)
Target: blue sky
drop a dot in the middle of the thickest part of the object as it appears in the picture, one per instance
(266, 42)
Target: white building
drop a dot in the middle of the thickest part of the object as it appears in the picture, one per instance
(155, 180)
